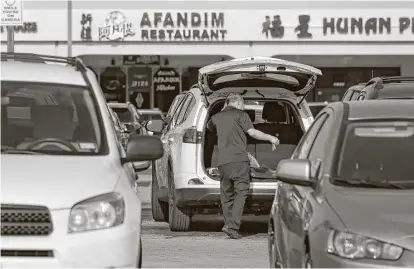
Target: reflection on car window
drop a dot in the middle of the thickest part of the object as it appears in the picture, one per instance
(48, 117)
(123, 114)
(379, 152)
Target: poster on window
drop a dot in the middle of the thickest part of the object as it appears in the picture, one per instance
(166, 87)
(139, 86)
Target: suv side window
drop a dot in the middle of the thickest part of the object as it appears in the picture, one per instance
(317, 149)
(305, 144)
(188, 106)
(177, 112)
(174, 105)
(354, 96)
(348, 95)
(361, 96)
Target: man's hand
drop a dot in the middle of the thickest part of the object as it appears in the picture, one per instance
(275, 142)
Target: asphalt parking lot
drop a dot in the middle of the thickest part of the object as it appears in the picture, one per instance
(204, 246)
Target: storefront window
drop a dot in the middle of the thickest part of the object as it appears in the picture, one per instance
(113, 83)
(139, 86)
(167, 82)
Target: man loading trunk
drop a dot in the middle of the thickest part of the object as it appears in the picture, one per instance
(232, 124)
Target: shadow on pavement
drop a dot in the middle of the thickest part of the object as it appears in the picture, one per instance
(214, 223)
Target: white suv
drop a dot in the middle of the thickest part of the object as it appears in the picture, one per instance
(68, 192)
(274, 91)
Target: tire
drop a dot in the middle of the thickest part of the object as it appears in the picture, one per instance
(273, 258)
(159, 208)
(139, 262)
(179, 217)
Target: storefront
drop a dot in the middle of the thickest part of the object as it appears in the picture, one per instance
(147, 55)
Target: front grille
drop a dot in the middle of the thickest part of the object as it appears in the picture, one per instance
(23, 220)
(26, 253)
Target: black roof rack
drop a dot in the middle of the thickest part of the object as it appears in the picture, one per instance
(39, 58)
(379, 82)
(76, 62)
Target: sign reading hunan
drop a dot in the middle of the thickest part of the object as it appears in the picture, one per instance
(183, 26)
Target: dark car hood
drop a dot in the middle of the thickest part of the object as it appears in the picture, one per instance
(383, 214)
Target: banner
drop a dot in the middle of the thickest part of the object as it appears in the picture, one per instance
(166, 86)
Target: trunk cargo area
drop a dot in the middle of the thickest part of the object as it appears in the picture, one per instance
(274, 122)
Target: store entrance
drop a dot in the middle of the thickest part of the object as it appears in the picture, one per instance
(147, 81)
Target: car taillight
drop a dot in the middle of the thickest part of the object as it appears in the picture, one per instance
(192, 136)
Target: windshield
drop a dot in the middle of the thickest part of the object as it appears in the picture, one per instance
(123, 114)
(379, 153)
(147, 117)
(48, 118)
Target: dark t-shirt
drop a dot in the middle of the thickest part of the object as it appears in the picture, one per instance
(232, 125)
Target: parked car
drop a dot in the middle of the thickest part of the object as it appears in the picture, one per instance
(150, 114)
(131, 121)
(344, 198)
(129, 116)
(184, 179)
(120, 130)
(388, 88)
(353, 92)
(316, 107)
(67, 185)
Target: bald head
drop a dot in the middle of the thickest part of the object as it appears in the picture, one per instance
(235, 100)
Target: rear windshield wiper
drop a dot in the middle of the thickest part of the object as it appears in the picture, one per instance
(19, 151)
(369, 183)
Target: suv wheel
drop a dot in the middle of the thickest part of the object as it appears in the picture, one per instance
(159, 208)
(179, 217)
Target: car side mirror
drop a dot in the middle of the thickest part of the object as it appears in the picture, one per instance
(155, 126)
(296, 172)
(143, 148)
(128, 127)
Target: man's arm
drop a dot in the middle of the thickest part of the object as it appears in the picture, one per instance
(248, 127)
(259, 135)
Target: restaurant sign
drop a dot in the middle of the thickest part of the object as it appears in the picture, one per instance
(183, 26)
(116, 27)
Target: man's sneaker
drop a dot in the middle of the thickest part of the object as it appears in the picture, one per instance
(233, 234)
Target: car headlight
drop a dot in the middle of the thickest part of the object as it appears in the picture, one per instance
(352, 246)
(100, 212)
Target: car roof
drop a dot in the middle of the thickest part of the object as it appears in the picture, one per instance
(391, 90)
(41, 72)
(358, 87)
(377, 109)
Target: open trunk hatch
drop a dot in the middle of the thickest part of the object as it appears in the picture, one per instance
(254, 72)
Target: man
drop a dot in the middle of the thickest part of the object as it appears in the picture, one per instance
(232, 124)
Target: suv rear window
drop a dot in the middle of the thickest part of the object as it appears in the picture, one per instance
(49, 118)
(380, 152)
(124, 114)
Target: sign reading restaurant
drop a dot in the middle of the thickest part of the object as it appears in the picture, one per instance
(183, 26)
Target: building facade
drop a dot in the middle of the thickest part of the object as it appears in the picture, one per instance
(147, 52)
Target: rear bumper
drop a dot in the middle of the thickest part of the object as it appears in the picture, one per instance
(209, 196)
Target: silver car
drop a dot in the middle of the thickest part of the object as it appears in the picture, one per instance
(345, 197)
